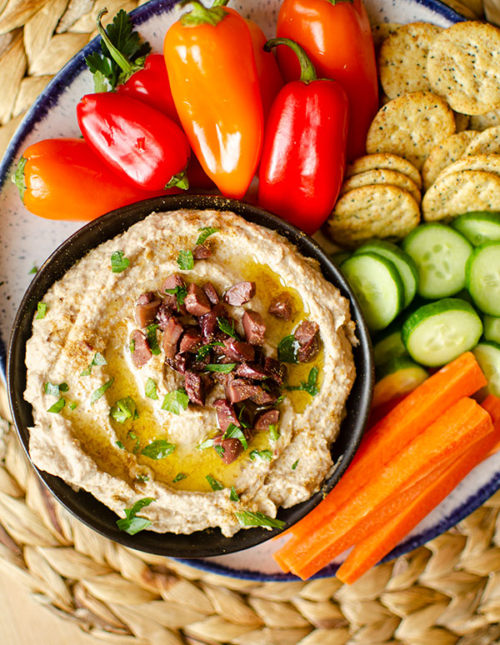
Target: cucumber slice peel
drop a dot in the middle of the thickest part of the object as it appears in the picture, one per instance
(478, 227)
(388, 348)
(439, 332)
(482, 275)
(491, 326)
(488, 357)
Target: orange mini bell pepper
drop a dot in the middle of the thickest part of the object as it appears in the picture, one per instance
(214, 83)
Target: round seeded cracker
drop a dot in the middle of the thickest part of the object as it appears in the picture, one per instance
(444, 154)
(461, 192)
(486, 163)
(382, 31)
(463, 66)
(386, 177)
(410, 126)
(484, 121)
(385, 212)
(384, 161)
(485, 143)
(403, 59)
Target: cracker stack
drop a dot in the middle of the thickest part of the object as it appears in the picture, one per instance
(438, 130)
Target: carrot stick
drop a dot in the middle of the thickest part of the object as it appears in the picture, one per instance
(463, 424)
(374, 547)
(492, 405)
(462, 377)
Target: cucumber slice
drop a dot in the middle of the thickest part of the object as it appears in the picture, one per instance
(402, 261)
(388, 348)
(483, 278)
(398, 377)
(488, 357)
(478, 227)
(440, 254)
(339, 257)
(378, 287)
(491, 326)
(439, 332)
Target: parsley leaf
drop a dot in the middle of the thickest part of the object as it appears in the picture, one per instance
(208, 443)
(98, 359)
(295, 464)
(227, 328)
(100, 80)
(150, 389)
(274, 435)
(96, 394)
(214, 484)
(205, 350)
(234, 497)
(120, 445)
(152, 339)
(58, 406)
(41, 311)
(224, 368)
(142, 478)
(33, 270)
(219, 450)
(311, 386)
(118, 262)
(135, 438)
(73, 405)
(185, 260)
(287, 350)
(124, 409)
(265, 455)
(132, 346)
(180, 293)
(206, 232)
(233, 432)
(179, 477)
(158, 449)
(132, 524)
(248, 518)
(175, 401)
(53, 389)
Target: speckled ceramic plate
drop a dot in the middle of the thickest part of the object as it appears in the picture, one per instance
(26, 241)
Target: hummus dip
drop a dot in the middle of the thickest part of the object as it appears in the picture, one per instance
(127, 407)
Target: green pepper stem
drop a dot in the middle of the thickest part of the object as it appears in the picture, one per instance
(220, 3)
(126, 67)
(179, 180)
(18, 177)
(201, 15)
(334, 2)
(307, 71)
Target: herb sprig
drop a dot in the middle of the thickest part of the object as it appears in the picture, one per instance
(311, 386)
(132, 524)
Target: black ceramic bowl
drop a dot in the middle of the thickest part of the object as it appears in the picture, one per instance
(83, 505)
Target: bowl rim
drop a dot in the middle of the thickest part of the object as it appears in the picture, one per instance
(82, 504)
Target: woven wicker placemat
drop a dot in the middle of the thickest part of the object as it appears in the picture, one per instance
(446, 593)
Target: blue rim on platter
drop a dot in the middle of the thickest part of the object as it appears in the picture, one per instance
(50, 97)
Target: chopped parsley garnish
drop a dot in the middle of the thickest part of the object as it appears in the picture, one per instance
(135, 438)
(233, 432)
(41, 311)
(214, 484)
(73, 405)
(120, 445)
(119, 262)
(219, 450)
(179, 477)
(311, 386)
(180, 293)
(132, 524)
(142, 478)
(248, 518)
(295, 464)
(175, 401)
(234, 497)
(224, 368)
(280, 399)
(205, 350)
(33, 270)
(97, 360)
(152, 339)
(206, 232)
(185, 260)
(227, 328)
(124, 409)
(132, 346)
(158, 449)
(53, 389)
(96, 394)
(150, 389)
(128, 43)
(287, 350)
(265, 455)
(208, 443)
(58, 406)
(274, 435)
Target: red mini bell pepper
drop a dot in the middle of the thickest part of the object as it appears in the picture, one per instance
(336, 36)
(213, 77)
(303, 158)
(141, 145)
(63, 179)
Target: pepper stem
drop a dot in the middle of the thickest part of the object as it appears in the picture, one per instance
(201, 15)
(220, 3)
(179, 180)
(307, 71)
(126, 67)
(334, 2)
(18, 177)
